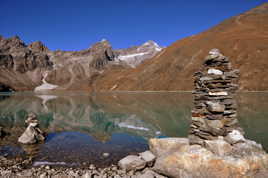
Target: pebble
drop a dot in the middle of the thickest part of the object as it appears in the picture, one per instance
(106, 154)
(44, 175)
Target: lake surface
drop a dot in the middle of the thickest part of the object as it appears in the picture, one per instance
(82, 127)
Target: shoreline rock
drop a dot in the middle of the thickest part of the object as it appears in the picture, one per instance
(247, 160)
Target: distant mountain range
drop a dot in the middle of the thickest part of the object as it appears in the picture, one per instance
(148, 67)
(35, 67)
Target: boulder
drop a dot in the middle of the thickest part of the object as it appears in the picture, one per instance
(195, 161)
(148, 157)
(132, 162)
(165, 145)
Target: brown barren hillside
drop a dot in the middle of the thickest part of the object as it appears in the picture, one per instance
(244, 39)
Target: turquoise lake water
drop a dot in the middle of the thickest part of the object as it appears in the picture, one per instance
(82, 127)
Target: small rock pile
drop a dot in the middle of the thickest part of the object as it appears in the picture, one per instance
(32, 134)
(214, 112)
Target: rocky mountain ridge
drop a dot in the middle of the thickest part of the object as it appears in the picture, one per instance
(35, 67)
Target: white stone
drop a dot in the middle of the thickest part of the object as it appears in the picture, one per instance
(105, 154)
(221, 93)
(234, 137)
(33, 124)
(86, 175)
(28, 137)
(214, 52)
(206, 78)
(215, 72)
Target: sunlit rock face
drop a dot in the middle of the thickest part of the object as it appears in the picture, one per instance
(21, 68)
(38, 46)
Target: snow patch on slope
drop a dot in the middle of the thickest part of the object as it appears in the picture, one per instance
(143, 52)
(130, 56)
(122, 124)
(45, 85)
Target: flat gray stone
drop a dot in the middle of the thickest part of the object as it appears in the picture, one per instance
(148, 157)
(215, 107)
(132, 162)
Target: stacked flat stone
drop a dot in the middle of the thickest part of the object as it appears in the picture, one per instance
(215, 109)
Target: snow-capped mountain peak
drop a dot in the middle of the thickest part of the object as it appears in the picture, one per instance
(135, 55)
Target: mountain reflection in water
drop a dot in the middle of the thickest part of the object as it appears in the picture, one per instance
(81, 126)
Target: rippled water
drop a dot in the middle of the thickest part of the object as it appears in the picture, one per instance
(81, 127)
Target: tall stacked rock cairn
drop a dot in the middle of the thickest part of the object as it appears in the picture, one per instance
(215, 109)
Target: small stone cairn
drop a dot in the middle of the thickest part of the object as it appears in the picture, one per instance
(32, 134)
(215, 109)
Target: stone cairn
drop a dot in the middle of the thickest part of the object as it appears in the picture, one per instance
(32, 134)
(214, 112)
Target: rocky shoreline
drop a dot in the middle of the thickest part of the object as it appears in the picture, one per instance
(167, 157)
(130, 168)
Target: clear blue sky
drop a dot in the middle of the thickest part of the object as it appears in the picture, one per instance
(77, 24)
